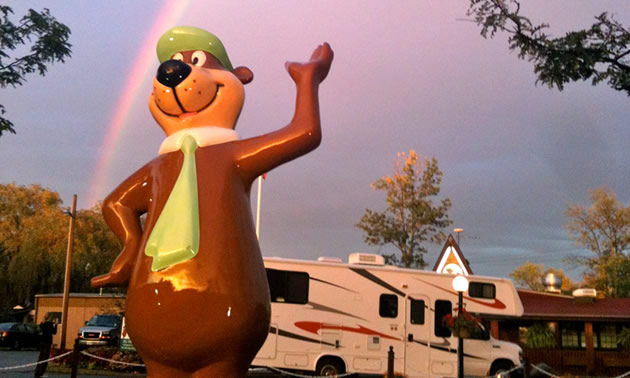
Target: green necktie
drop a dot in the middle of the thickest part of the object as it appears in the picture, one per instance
(175, 236)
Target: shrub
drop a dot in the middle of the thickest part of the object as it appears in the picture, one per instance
(540, 335)
(624, 338)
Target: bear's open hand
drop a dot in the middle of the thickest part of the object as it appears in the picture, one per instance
(316, 68)
(120, 272)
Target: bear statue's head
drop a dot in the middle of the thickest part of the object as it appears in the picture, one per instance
(196, 85)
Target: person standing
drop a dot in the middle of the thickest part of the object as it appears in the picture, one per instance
(48, 329)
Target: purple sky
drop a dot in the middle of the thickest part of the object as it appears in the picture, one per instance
(407, 74)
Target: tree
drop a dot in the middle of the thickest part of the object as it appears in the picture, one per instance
(48, 41)
(600, 53)
(530, 275)
(33, 243)
(410, 218)
(95, 248)
(604, 229)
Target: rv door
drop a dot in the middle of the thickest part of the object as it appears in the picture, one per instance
(417, 327)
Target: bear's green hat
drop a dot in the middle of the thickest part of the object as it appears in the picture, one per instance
(183, 38)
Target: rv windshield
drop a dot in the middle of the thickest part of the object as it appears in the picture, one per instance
(482, 332)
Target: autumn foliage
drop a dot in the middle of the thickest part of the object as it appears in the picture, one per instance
(411, 217)
(33, 244)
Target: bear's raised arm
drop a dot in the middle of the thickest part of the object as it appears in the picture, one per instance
(259, 155)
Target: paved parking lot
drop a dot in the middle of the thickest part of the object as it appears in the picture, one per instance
(9, 358)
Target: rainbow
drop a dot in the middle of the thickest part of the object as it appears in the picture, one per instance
(167, 17)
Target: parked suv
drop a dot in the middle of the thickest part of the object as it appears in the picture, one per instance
(101, 330)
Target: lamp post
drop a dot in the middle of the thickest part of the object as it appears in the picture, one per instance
(460, 284)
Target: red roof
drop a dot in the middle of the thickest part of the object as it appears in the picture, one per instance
(557, 306)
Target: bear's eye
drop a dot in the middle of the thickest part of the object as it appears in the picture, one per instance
(198, 58)
(178, 56)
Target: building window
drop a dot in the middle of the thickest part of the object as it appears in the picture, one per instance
(287, 286)
(572, 335)
(607, 336)
(54, 316)
(417, 311)
(482, 290)
(570, 338)
(442, 308)
(388, 306)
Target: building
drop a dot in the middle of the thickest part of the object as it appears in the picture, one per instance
(585, 329)
(81, 307)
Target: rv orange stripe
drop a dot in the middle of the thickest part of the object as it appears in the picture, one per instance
(496, 304)
(314, 327)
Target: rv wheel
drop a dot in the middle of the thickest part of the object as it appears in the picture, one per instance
(500, 368)
(330, 367)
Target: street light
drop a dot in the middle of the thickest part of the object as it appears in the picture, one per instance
(460, 284)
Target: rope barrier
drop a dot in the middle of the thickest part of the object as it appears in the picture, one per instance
(34, 363)
(284, 372)
(306, 376)
(111, 361)
(501, 374)
(544, 371)
(626, 374)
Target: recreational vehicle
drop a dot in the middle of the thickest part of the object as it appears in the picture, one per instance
(331, 318)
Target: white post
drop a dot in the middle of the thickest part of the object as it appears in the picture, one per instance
(258, 207)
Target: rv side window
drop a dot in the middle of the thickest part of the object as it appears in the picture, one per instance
(287, 286)
(482, 290)
(388, 306)
(442, 308)
(417, 312)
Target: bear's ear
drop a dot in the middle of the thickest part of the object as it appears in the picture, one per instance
(244, 74)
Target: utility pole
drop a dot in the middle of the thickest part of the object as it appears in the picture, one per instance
(66, 284)
(458, 231)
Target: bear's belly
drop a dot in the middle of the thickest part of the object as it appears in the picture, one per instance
(196, 318)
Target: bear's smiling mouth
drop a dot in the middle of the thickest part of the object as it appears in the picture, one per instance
(186, 114)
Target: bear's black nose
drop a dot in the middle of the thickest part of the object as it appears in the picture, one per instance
(173, 72)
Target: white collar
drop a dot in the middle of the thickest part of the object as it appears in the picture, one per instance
(205, 136)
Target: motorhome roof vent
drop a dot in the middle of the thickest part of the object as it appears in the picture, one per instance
(365, 259)
(330, 259)
(585, 292)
